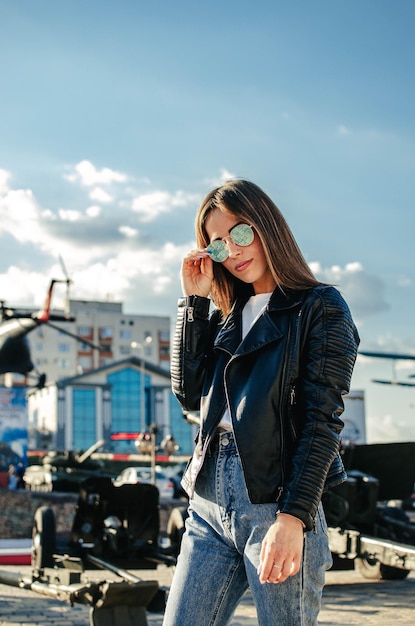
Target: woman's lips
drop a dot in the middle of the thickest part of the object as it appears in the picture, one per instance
(243, 266)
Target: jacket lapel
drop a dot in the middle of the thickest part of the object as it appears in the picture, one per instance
(266, 327)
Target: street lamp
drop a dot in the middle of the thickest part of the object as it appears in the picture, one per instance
(135, 345)
(146, 444)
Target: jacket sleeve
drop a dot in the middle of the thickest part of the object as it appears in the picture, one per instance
(190, 345)
(328, 353)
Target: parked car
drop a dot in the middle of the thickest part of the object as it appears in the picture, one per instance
(133, 475)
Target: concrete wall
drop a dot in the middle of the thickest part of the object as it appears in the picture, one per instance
(17, 509)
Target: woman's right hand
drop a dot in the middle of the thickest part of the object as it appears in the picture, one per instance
(197, 274)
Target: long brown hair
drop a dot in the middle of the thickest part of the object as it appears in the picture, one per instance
(250, 204)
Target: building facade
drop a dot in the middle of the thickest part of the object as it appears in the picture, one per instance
(99, 334)
(113, 403)
(106, 375)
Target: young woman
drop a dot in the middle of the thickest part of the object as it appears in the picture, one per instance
(267, 369)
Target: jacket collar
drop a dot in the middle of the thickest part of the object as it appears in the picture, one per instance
(266, 328)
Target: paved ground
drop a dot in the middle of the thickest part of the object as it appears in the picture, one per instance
(348, 600)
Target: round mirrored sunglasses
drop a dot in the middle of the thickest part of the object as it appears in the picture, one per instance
(241, 235)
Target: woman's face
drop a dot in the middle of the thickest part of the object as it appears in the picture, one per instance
(248, 263)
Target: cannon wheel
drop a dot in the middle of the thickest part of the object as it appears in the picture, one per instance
(44, 538)
(175, 527)
(373, 570)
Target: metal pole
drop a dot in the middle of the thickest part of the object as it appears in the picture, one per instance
(153, 455)
(135, 345)
(142, 393)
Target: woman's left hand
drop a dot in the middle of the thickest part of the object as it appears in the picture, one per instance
(282, 549)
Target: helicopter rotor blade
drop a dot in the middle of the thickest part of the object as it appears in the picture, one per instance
(68, 284)
(393, 383)
(388, 355)
(74, 336)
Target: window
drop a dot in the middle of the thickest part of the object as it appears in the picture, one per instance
(85, 362)
(64, 364)
(85, 331)
(105, 332)
(103, 361)
(84, 418)
(125, 334)
(64, 347)
(164, 350)
(126, 402)
(84, 347)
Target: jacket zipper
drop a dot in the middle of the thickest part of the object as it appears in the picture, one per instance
(282, 435)
(291, 402)
(291, 415)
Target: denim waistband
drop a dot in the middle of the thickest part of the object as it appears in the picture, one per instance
(222, 440)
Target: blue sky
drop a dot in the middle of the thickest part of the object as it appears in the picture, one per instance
(116, 117)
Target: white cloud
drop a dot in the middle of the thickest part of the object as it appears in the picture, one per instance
(389, 429)
(343, 130)
(62, 233)
(20, 216)
(93, 211)
(88, 175)
(23, 287)
(68, 215)
(28, 223)
(364, 292)
(222, 178)
(127, 231)
(403, 281)
(150, 205)
(145, 280)
(100, 195)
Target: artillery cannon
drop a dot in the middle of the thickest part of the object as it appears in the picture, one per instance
(366, 525)
(117, 527)
(64, 470)
(114, 527)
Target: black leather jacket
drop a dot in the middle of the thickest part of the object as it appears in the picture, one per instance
(283, 384)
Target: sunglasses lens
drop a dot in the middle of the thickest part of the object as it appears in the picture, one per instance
(218, 251)
(242, 235)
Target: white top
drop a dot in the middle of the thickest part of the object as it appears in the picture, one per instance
(253, 309)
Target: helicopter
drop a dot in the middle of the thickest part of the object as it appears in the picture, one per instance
(15, 325)
(394, 356)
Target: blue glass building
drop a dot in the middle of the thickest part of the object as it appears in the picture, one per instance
(114, 403)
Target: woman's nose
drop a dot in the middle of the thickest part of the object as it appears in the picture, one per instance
(233, 248)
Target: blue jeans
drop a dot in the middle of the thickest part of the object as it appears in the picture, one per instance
(220, 554)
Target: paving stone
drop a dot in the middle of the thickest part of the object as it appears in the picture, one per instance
(348, 600)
